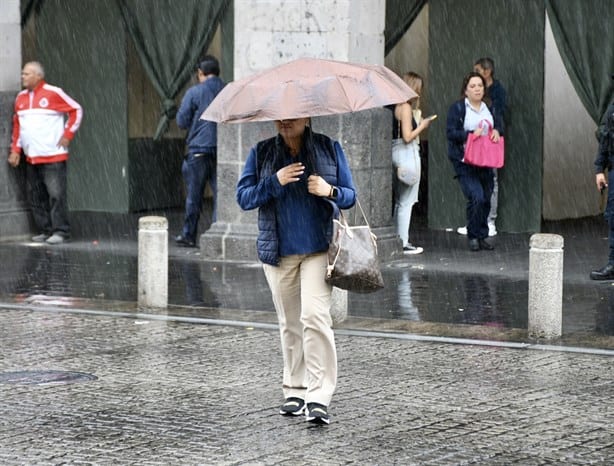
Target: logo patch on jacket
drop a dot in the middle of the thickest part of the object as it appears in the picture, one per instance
(43, 102)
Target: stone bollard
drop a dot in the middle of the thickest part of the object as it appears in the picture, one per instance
(339, 305)
(153, 262)
(545, 286)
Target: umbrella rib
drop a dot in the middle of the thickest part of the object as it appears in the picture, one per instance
(347, 97)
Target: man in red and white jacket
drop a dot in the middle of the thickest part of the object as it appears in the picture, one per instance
(42, 132)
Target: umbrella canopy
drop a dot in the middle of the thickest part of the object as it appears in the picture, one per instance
(307, 87)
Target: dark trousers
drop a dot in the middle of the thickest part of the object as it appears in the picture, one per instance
(609, 215)
(197, 171)
(47, 195)
(477, 186)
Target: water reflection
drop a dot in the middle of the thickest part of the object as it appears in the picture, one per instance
(445, 297)
(36, 273)
(605, 313)
(38, 270)
(479, 306)
(197, 289)
(407, 309)
(58, 271)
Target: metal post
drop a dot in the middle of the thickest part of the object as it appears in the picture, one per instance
(545, 286)
(153, 262)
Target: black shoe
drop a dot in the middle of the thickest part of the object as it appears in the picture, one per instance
(605, 273)
(293, 406)
(317, 413)
(474, 245)
(485, 245)
(183, 242)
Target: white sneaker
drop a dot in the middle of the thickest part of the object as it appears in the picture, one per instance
(492, 231)
(40, 238)
(55, 239)
(462, 231)
(409, 249)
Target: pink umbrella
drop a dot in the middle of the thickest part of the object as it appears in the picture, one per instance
(307, 87)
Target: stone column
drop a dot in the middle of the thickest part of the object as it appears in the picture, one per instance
(546, 286)
(10, 46)
(268, 33)
(153, 262)
(14, 219)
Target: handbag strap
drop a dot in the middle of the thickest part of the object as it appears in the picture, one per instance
(362, 212)
(344, 222)
(331, 266)
(488, 123)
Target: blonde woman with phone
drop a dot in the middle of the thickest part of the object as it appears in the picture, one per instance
(407, 125)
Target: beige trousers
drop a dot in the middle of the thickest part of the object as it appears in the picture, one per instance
(302, 300)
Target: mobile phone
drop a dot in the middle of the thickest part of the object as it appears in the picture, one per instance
(432, 117)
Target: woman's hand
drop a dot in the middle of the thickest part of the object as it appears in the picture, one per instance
(290, 173)
(425, 123)
(317, 186)
(494, 136)
(478, 131)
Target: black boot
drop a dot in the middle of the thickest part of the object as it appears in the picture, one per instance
(605, 273)
(484, 244)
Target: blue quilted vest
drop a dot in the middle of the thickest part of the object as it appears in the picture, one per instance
(324, 164)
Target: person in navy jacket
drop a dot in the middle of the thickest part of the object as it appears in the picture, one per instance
(200, 164)
(496, 98)
(603, 165)
(298, 180)
(466, 116)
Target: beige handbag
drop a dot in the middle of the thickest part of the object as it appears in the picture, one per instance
(353, 263)
(406, 159)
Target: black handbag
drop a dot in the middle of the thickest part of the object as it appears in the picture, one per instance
(353, 263)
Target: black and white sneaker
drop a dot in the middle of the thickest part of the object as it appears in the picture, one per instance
(40, 238)
(293, 406)
(317, 413)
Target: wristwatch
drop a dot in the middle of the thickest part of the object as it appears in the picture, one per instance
(334, 192)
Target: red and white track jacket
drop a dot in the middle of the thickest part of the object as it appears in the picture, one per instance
(39, 123)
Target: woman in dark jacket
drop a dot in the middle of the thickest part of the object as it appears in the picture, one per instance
(297, 180)
(467, 116)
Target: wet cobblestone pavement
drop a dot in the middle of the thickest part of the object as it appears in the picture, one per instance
(180, 393)
(199, 382)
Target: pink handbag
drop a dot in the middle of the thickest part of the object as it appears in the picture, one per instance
(480, 151)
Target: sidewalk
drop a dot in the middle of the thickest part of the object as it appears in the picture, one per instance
(446, 291)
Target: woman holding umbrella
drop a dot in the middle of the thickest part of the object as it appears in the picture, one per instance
(298, 180)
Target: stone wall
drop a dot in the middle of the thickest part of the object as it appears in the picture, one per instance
(10, 45)
(270, 32)
(14, 218)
